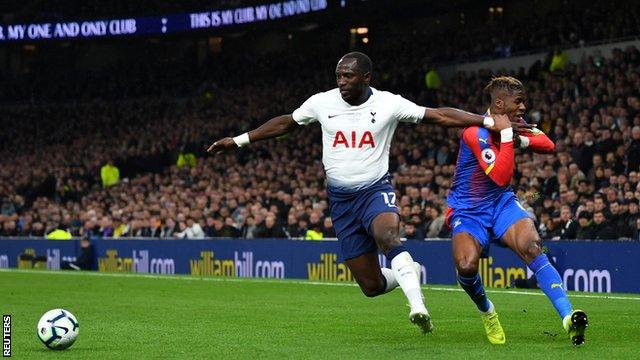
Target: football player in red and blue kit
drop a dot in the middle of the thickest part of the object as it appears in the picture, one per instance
(483, 208)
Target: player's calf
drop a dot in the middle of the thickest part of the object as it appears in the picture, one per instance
(367, 273)
(474, 288)
(551, 284)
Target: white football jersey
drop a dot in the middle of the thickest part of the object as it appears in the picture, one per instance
(356, 139)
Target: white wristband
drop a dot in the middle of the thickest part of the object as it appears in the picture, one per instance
(506, 135)
(488, 122)
(524, 142)
(242, 140)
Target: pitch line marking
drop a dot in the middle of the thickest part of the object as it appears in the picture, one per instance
(290, 281)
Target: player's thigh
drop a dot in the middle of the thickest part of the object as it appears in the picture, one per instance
(470, 238)
(380, 216)
(466, 253)
(522, 237)
(385, 229)
(516, 229)
(365, 268)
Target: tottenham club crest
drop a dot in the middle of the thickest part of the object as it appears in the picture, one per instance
(488, 156)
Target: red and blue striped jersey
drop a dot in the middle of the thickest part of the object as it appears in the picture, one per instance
(483, 170)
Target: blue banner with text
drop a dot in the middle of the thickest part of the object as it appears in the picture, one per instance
(590, 266)
(159, 25)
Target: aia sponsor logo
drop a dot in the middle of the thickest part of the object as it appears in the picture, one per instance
(353, 141)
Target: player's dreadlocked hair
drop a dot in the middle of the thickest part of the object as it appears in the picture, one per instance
(507, 83)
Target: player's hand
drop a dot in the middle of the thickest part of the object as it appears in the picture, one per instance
(501, 122)
(521, 127)
(516, 140)
(222, 145)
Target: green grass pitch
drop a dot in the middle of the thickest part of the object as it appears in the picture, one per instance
(127, 317)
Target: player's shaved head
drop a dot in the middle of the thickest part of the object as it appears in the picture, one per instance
(503, 86)
(363, 62)
(353, 75)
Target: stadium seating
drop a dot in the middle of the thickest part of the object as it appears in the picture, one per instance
(52, 150)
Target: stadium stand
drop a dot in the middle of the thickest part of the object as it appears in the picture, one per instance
(61, 128)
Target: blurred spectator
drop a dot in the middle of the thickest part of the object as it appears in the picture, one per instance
(568, 226)
(169, 229)
(559, 61)
(109, 174)
(85, 260)
(303, 227)
(600, 229)
(270, 229)
(155, 227)
(59, 234)
(633, 150)
(8, 207)
(436, 223)
(432, 79)
(327, 229)
(584, 223)
(292, 226)
(186, 159)
(9, 229)
(412, 232)
(190, 229)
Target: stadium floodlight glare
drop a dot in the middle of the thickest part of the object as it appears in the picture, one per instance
(362, 30)
(365, 40)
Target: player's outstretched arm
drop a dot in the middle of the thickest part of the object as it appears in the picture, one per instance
(275, 127)
(451, 117)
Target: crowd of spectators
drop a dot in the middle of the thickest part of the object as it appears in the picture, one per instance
(422, 40)
(51, 155)
(570, 24)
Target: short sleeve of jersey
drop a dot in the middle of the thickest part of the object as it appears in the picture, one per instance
(408, 111)
(306, 113)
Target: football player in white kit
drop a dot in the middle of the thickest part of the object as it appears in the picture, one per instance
(358, 123)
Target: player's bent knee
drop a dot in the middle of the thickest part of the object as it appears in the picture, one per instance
(372, 288)
(467, 267)
(369, 293)
(388, 239)
(532, 249)
(386, 246)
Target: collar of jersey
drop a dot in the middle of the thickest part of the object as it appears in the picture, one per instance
(373, 93)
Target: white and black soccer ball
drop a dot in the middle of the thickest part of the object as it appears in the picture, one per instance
(58, 329)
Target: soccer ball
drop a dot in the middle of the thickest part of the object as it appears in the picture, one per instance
(58, 329)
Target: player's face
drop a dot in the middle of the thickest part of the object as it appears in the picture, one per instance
(514, 106)
(351, 82)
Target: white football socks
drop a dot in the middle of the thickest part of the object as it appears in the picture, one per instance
(392, 283)
(405, 274)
